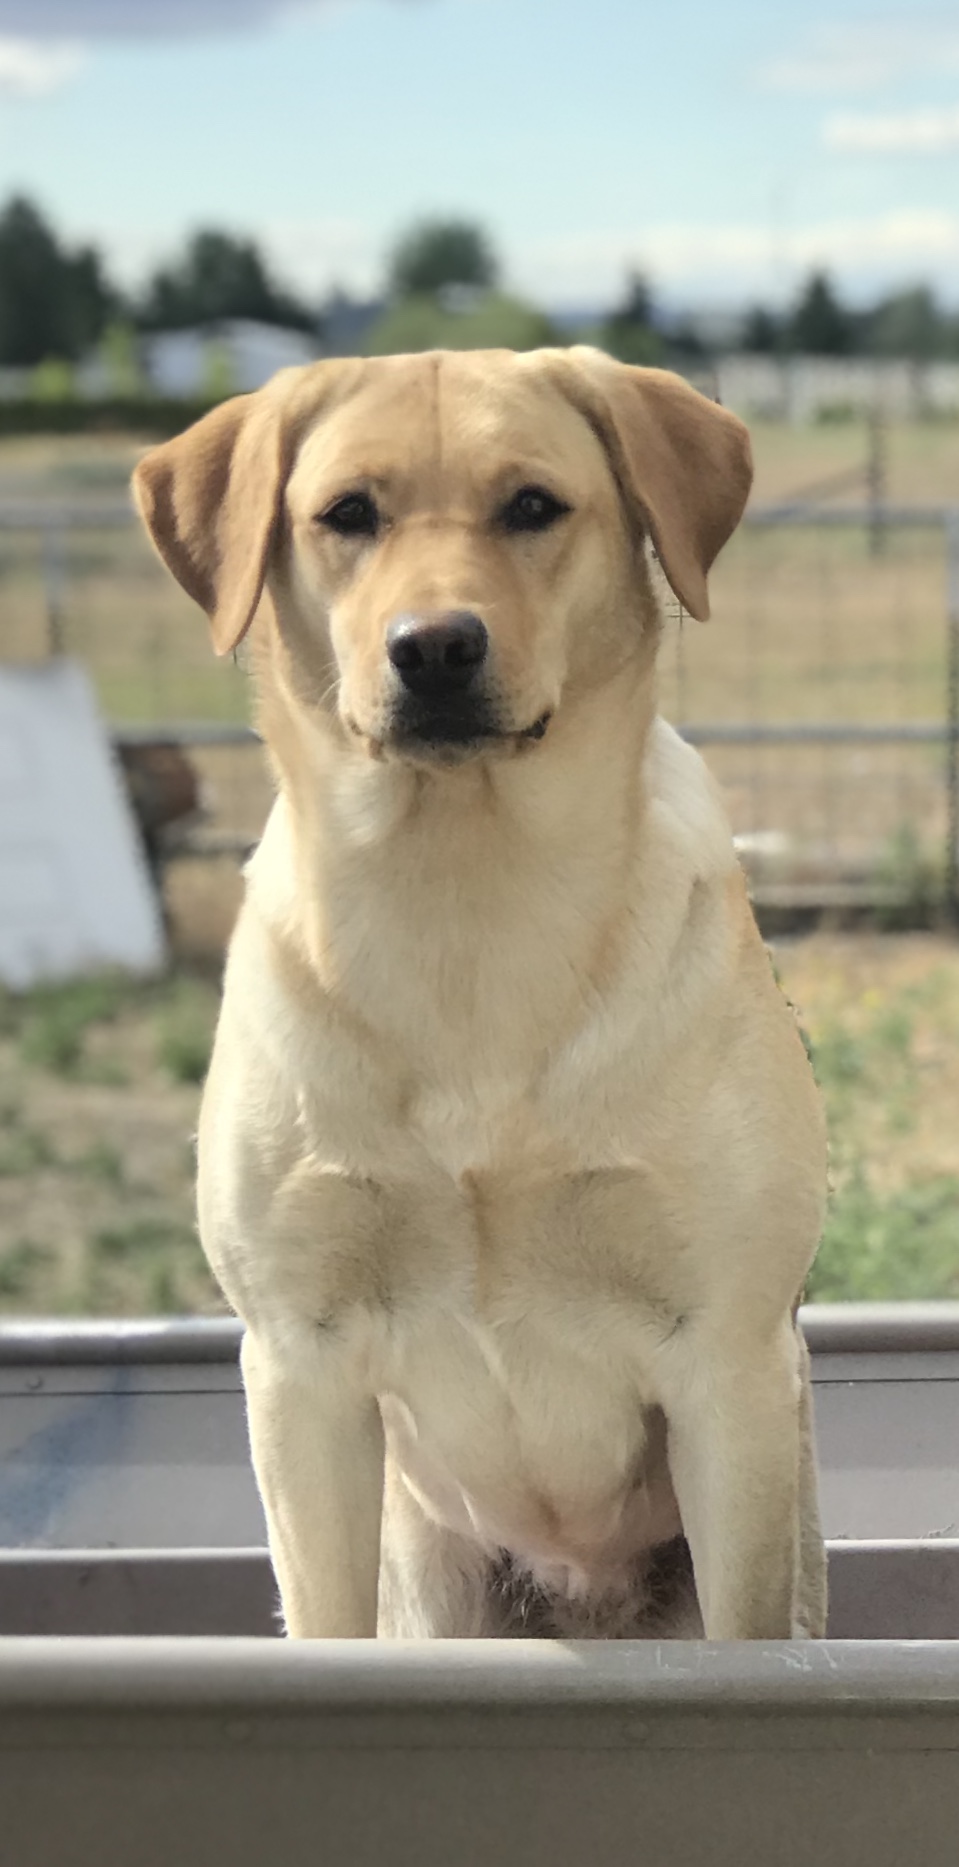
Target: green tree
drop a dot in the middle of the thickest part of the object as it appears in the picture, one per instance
(629, 333)
(762, 331)
(440, 253)
(820, 325)
(219, 379)
(53, 302)
(119, 356)
(218, 277)
(53, 380)
(909, 324)
(683, 340)
(91, 301)
(494, 322)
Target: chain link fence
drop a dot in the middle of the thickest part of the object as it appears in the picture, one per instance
(824, 694)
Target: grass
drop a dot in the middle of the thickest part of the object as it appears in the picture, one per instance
(884, 1040)
(102, 1162)
(96, 1177)
(888, 1246)
(155, 1257)
(99, 1083)
(910, 880)
(19, 1265)
(60, 1029)
(52, 1023)
(184, 1031)
(23, 1150)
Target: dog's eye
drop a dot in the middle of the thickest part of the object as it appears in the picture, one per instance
(532, 509)
(353, 516)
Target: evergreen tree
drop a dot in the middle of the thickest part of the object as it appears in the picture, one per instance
(909, 324)
(629, 332)
(53, 303)
(821, 326)
(762, 331)
(218, 277)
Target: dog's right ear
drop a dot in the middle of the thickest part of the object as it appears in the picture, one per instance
(211, 501)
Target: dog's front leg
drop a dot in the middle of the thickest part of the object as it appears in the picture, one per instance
(732, 1410)
(317, 1443)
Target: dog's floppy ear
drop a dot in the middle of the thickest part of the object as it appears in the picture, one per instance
(685, 463)
(210, 500)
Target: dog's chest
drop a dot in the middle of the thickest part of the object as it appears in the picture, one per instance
(518, 1379)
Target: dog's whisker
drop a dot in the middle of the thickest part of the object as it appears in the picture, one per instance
(333, 688)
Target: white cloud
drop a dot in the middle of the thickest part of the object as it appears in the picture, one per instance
(687, 262)
(315, 255)
(919, 236)
(31, 70)
(865, 55)
(733, 261)
(308, 256)
(923, 132)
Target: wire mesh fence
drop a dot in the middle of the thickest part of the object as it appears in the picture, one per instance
(825, 696)
(824, 692)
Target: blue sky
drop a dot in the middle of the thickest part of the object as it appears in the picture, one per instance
(726, 148)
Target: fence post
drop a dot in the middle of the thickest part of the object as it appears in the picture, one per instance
(53, 558)
(876, 479)
(952, 718)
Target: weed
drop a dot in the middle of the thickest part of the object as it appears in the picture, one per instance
(19, 1264)
(883, 1242)
(828, 414)
(909, 882)
(184, 1031)
(9, 1013)
(163, 1291)
(54, 1019)
(102, 1072)
(148, 1265)
(140, 1235)
(877, 1247)
(100, 1162)
(24, 1152)
(838, 1058)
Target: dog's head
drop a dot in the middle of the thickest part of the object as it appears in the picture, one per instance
(453, 542)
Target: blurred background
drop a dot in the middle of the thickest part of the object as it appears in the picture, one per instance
(195, 193)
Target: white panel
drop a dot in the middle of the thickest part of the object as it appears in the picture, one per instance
(75, 893)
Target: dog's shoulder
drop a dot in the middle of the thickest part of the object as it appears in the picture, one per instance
(685, 805)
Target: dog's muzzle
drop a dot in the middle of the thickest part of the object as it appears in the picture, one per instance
(440, 662)
(442, 705)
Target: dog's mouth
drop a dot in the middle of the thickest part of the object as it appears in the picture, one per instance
(451, 736)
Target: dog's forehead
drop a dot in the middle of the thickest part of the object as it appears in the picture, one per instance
(479, 410)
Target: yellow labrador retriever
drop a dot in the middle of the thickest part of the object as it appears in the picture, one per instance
(510, 1156)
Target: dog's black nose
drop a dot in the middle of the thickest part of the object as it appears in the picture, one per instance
(438, 656)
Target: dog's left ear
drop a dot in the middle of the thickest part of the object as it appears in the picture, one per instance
(681, 461)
